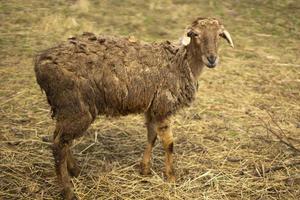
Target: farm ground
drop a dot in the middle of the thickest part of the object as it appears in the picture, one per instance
(225, 143)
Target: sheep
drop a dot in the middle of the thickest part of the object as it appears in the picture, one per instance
(93, 75)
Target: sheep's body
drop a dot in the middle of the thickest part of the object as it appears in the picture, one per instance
(89, 76)
(115, 76)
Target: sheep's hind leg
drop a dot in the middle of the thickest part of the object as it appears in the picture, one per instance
(151, 135)
(60, 153)
(73, 168)
(65, 132)
(164, 131)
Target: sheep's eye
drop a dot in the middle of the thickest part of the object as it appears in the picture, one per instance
(192, 34)
(196, 34)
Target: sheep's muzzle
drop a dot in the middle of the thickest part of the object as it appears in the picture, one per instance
(210, 61)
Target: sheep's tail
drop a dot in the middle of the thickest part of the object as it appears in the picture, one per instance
(46, 72)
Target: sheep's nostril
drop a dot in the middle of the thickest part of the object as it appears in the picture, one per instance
(212, 59)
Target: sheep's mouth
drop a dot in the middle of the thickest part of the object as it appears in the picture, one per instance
(210, 63)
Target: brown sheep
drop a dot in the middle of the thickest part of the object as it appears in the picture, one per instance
(89, 76)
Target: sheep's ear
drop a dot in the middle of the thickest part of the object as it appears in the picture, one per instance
(225, 34)
(185, 40)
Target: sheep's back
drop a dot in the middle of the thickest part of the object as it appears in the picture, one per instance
(112, 76)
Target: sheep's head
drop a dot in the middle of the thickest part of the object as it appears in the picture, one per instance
(203, 38)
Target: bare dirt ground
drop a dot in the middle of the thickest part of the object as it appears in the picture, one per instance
(239, 140)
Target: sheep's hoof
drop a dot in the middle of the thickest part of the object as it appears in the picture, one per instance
(145, 169)
(68, 194)
(171, 179)
(74, 171)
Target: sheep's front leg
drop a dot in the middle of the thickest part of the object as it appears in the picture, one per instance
(165, 133)
(151, 135)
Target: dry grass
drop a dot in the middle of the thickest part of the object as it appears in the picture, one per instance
(225, 143)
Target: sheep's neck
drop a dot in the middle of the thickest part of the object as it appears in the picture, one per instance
(195, 61)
